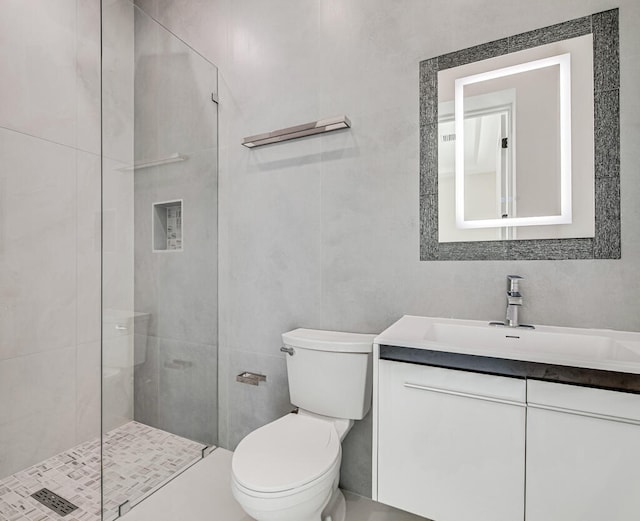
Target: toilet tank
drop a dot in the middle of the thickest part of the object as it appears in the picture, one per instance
(330, 372)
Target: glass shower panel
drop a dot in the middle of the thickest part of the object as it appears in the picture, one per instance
(159, 256)
(49, 258)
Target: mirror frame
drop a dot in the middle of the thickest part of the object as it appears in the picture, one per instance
(606, 243)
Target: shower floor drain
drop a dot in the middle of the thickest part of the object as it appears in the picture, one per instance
(52, 500)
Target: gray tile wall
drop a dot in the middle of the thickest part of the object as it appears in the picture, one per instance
(49, 229)
(117, 205)
(324, 232)
(175, 369)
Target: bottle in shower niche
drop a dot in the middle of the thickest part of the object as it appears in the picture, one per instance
(174, 227)
(167, 226)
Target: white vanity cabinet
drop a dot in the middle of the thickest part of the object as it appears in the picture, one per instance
(450, 444)
(583, 454)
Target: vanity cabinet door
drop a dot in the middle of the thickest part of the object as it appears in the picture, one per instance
(451, 444)
(583, 454)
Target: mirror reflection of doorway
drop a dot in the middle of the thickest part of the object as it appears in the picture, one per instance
(490, 177)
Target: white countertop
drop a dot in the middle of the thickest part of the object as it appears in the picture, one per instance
(601, 349)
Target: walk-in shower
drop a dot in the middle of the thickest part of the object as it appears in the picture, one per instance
(108, 258)
(159, 296)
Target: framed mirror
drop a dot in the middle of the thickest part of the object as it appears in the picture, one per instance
(519, 142)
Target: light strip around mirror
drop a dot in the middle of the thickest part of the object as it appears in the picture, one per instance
(565, 217)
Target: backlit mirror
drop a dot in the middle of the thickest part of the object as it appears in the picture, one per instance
(511, 149)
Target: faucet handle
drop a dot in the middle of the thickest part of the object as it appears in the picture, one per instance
(513, 281)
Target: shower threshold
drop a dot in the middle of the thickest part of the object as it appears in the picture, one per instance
(137, 461)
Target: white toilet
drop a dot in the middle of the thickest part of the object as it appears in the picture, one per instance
(289, 469)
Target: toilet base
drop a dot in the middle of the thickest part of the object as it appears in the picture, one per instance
(336, 509)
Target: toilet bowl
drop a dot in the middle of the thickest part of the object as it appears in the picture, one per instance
(289, 469)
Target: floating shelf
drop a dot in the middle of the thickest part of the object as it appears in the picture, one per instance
(308, 129)
(173, 158)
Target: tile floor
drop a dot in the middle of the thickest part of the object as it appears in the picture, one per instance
(137, 461)
(203, 493)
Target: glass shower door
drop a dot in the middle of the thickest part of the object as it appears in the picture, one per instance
(159, 342)
(49, 260)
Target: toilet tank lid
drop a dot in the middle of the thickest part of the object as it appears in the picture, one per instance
(319, 340)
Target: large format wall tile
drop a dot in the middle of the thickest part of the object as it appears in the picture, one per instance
(88, 76)
(118, 327)
(88, 247)
(117, 81)
(117, 380)
(88, 406)
(189, 14)
(38, 64)
(50, 63)
(146, 379)
(175, 387)
(37, 245)
(272, 264)
(38, 407)
(148, 67)
(174, 110)
(49, 228)
(187, 397)
(32, 439)
(118, 237)
(248, 407)
(179, 289)
(175, 375)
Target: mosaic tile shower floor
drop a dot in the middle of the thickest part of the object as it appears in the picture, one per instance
(138, 459)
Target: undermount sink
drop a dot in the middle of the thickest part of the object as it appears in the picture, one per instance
(592, 348)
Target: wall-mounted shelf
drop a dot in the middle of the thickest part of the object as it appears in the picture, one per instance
(308, 129)
(173, 158)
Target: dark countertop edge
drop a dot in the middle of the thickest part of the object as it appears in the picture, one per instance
(582, 376)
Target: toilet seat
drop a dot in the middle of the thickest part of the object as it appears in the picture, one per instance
(296, 495)
(286, 456)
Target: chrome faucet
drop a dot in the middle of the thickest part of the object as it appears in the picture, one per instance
(514, 301)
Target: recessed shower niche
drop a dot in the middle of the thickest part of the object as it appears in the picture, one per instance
(167, 226)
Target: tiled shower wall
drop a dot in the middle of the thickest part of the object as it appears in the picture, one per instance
(324, 232)
(175, 375)
(49, 228)
(119, 318)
